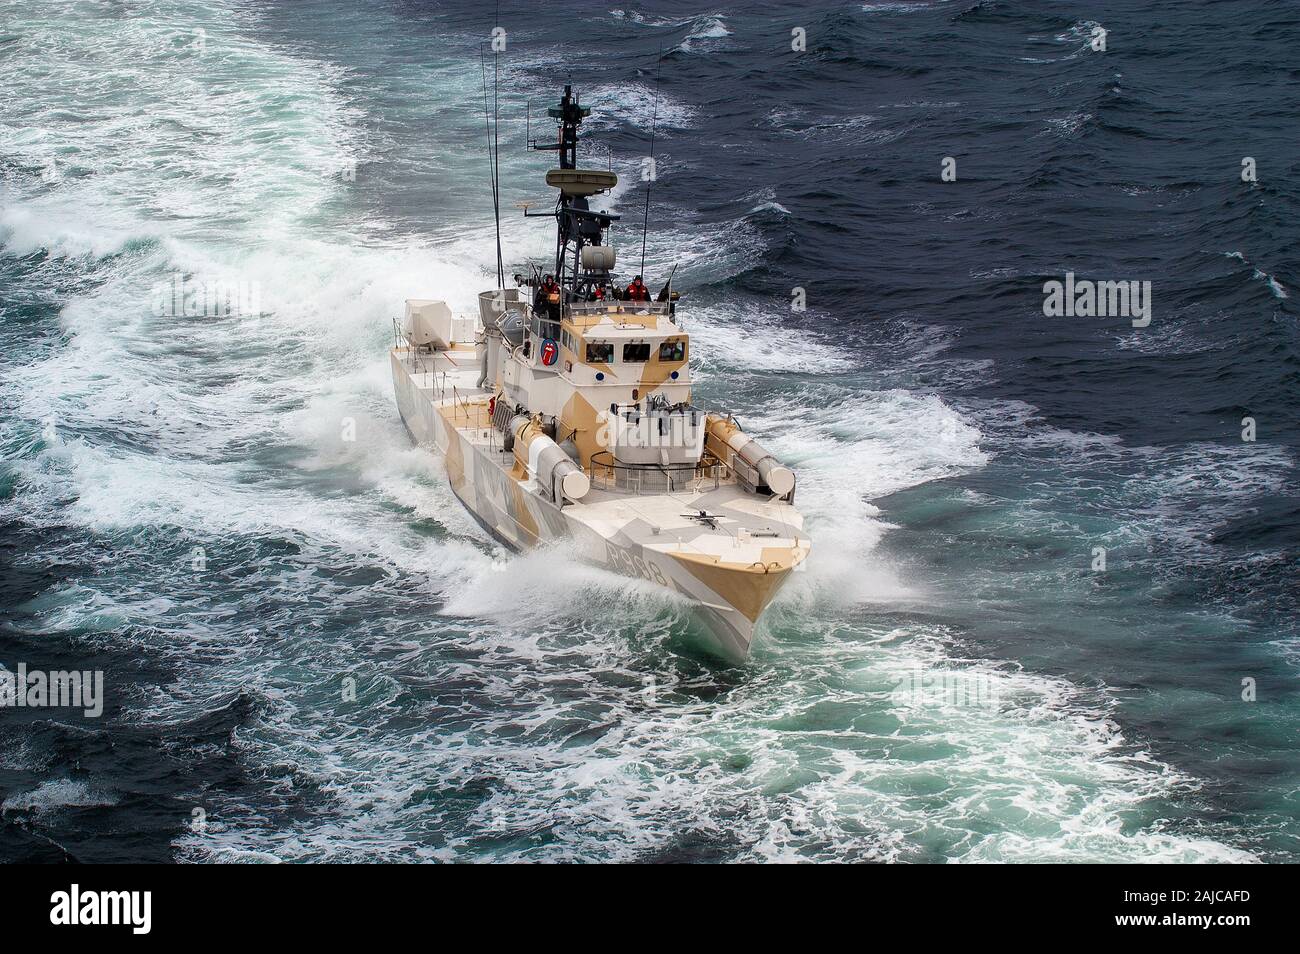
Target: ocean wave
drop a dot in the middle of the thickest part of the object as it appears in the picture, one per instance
(826, 128)
(1274, 286)
(705, 29)
(56, 794)
(637, 106)
(706, 34)
(902, 6)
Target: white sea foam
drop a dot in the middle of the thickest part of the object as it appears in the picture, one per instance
(901, 6)
(851, 446)
(55, 794)
(635, 105)
(755, 772)
(1069, 125)
(1274, 286)
(648, 20)
(751, 339)
(833, 128)
(706, 34)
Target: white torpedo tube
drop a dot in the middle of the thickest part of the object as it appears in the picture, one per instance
(730, 442)
(550, 466)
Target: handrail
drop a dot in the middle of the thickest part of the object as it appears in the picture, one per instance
(412, 351)
(544, 327)
(607, 473)
(618, 306)
(459, 403)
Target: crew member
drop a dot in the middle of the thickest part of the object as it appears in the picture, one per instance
(637, 290)
(666, 294)
(539, 296)
(548, 298)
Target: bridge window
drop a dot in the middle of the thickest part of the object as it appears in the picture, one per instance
(600, 352)
(672, 351)
(636, 352)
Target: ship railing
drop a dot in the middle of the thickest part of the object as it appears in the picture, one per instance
(544, 327)
(606, 473)
(461, 405)
(414, 357)
(616, 307)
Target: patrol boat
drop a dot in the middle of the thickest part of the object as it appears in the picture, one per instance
(563, 412)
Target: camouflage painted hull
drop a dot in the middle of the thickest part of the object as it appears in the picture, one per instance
(729, 571)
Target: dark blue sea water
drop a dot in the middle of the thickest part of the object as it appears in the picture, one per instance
(179, 507)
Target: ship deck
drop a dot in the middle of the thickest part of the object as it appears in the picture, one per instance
(738, 528)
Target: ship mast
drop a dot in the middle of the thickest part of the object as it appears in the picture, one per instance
(571, 116)
(577, 224)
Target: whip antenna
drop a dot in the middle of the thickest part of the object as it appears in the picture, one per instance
(489, 123)
(496, 153)
(654, 173)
